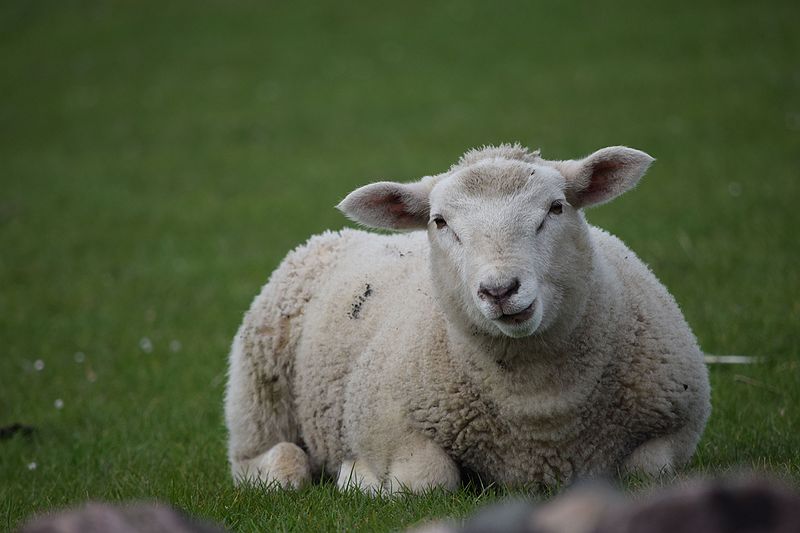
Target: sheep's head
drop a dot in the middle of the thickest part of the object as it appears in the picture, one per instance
(509, 245)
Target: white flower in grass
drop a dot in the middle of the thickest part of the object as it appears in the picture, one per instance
(146, 344)
(59, 403)
(175, 346)
(32, 465)
(38, 365)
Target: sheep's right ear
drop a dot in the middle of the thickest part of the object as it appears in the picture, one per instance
(603, 175)
(388, 205)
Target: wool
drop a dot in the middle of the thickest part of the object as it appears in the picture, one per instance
(378, 356)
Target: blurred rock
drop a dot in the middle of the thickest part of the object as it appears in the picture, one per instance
(740, 506)
(745, 506)
(134, 518)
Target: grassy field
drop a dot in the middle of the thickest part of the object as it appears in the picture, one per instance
(157, 160)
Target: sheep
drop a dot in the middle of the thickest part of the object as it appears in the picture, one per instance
(498, 333)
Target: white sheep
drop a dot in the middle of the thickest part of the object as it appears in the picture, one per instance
(511, 338)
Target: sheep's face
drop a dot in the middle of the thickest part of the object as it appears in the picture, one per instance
(510, 251)
(506, 244)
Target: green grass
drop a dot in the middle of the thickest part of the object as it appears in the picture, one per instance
(157, 160)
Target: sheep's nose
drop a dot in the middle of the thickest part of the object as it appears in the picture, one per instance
(498, 292)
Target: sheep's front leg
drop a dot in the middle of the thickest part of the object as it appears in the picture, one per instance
(653, 458)
(421, 468)
(417, 466)
(358, 475)
(663, 455)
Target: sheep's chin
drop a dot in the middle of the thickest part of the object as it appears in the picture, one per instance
(523, 329)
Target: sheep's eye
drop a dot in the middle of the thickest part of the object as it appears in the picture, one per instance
(439, 221)
(557, 207)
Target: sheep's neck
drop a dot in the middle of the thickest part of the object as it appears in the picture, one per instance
(556, 363)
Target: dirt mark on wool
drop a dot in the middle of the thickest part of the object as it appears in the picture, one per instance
(355, 309)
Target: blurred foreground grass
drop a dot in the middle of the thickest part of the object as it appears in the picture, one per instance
(158, 160)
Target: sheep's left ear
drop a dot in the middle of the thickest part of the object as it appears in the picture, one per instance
(389, 205)
(603, 175)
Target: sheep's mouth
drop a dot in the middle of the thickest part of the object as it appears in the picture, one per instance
(517, 318)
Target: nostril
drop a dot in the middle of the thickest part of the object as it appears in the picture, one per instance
(512, 287)
(499, 292)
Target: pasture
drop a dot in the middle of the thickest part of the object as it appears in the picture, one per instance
(157, 161)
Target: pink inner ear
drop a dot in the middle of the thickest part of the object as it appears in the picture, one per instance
(396, 207)
(602, 181)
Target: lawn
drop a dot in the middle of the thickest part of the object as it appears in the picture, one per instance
(157, 160)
